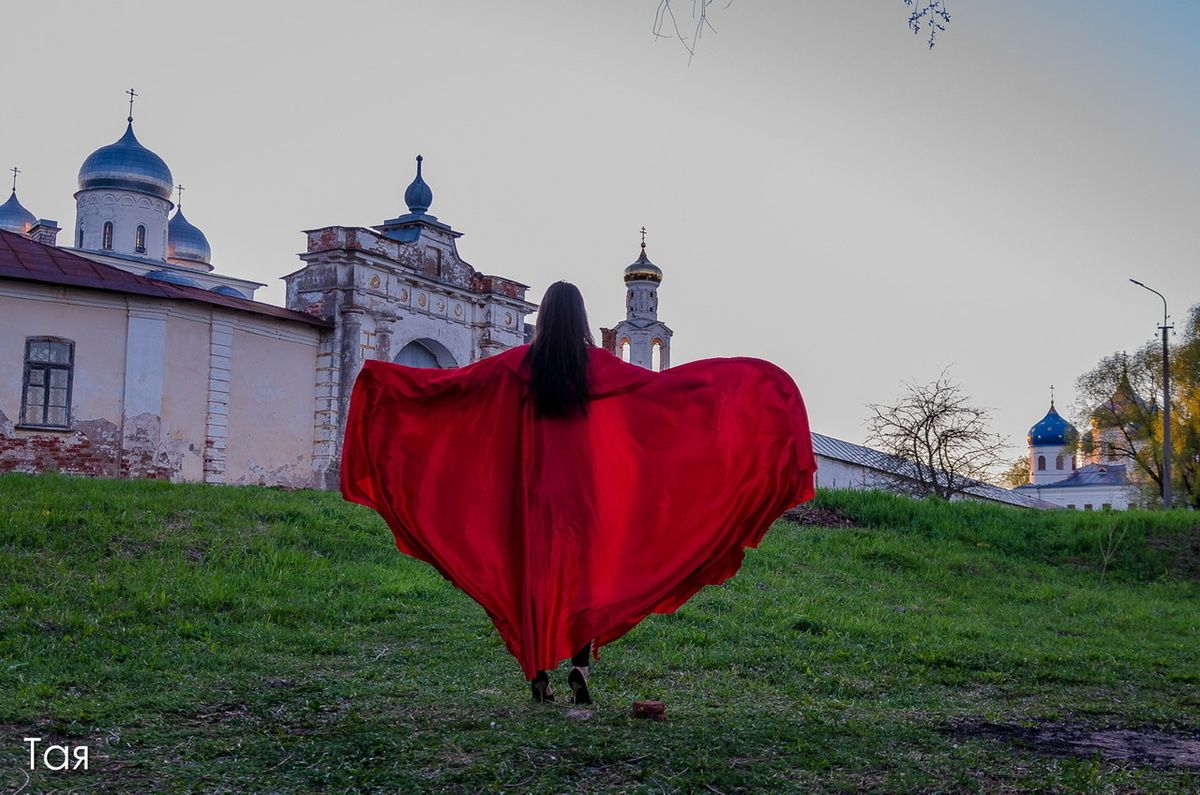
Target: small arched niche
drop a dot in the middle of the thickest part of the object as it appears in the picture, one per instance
(425, 352)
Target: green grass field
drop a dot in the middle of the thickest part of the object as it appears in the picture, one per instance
(254, 640)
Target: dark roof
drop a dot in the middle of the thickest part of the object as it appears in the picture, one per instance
(866, 457)
(28, 260)
(1090, 475)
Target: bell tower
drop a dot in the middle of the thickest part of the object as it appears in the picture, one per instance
(641, 338)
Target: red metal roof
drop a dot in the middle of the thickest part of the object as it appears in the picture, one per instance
(27, 260)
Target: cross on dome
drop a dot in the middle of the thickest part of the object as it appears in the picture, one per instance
(131, 94)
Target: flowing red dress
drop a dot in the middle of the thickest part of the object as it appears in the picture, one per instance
(569, 530)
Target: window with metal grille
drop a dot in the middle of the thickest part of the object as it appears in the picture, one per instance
(107, 236)
(139, 244)
(46, 397)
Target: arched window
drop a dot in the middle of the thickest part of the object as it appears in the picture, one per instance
(139, 244)
(625, 349)
(656, 348)
(79, 240)
(106, 238)
(1072, 463)
(1041, 463)
(1058, 462)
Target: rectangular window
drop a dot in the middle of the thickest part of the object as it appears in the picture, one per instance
(1071, 506)
(46, 398)
(1087, 506)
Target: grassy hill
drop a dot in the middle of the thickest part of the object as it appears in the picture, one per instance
(244, 639)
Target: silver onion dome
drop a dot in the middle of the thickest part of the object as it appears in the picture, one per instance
(172, 278)
(186, 245)
(14, 217)
(127, 165)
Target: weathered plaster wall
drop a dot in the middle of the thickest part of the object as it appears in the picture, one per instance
(159, 387)
(98, 331)
(270, 410)
(384, 293)
(185, 396)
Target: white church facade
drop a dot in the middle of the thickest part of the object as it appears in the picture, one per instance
(1055, 474)
(128, 355)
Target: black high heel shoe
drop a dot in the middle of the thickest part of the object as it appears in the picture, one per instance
(579, 688)
(540, 685)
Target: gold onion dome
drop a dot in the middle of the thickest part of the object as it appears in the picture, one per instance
(643, 269)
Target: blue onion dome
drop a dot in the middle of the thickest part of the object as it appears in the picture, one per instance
(172, 277)
(14, 217)
(1052, 429)
(186, 245)
(127, 165)
(418, 196)
(225, 289)
(643, 270)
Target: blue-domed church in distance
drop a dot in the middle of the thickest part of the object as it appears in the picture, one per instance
(1056, 477)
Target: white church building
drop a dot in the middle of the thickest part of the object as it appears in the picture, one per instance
(126, 354)
(1055, 476)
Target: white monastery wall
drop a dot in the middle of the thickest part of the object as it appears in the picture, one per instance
(185, 382)
(270, 404)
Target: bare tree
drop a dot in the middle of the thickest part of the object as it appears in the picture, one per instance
(665, 16)
(929, 15)
(935, 442)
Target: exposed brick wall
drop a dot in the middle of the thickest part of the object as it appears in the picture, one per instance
(608, 340)
(91, 449)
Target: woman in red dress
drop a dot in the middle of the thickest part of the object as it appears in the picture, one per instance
(572, 494)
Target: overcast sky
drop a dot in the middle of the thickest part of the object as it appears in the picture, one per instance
(820, 189)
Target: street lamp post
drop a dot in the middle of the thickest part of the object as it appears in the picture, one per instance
(1166, 473)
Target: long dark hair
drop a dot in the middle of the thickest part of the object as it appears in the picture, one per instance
(558, 356)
